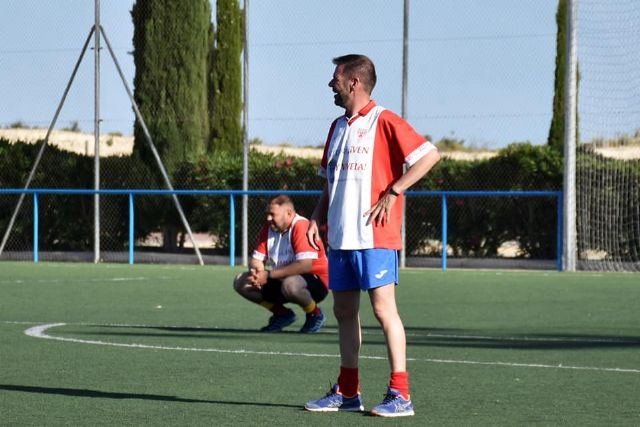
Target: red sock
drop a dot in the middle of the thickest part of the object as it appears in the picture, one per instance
(279, 309)
(348, 381)
(316, 311)
(400, 381)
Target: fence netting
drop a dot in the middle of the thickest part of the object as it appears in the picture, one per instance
(477, 81)
(608, 165)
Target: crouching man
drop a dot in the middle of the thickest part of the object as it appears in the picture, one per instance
(297, 273)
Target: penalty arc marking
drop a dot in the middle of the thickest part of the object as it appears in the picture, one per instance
(40, 332)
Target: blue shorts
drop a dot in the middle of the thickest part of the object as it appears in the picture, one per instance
(362, 269)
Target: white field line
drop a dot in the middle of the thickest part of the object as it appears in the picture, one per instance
(506, 338)
(95, 280)
(40, 332)
(526, 338)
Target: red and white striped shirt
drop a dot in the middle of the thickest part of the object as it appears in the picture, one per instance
(363, 156)
(280, 249)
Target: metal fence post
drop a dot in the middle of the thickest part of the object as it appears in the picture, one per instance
(560, 229)
(35, 227)
(96, 135)
(232, 230)
(444, 231)
(569, 250)
(131, 237)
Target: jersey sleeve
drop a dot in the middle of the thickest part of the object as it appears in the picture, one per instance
(411, 144)
(300, 243)
(260, 252)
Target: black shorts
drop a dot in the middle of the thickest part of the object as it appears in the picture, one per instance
(272, 290)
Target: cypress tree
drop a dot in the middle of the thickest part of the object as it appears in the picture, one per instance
(226, 109)
(171, 53)
(556, 130)
(210, 82)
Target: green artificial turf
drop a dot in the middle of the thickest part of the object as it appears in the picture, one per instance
(174, 345)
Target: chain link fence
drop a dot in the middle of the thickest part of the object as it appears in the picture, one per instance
(608, 155)
(480, 76)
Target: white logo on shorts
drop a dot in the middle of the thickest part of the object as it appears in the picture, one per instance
(382, 273)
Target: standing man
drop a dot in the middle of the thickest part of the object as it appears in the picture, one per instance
(363, 163)
(298, 274)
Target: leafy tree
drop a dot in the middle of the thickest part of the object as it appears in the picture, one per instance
(171, 43)
(226, 109)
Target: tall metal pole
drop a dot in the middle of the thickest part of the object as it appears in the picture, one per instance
(245, 137)
(45, 142)
(405, 79)
(405, 58)
(569, 250)
(96, 135)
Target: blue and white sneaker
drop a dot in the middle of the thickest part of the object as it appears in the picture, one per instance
(279, 321)
(313, 323)
(393, 405)
(335, 401)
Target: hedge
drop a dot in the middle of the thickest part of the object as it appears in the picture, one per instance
(478, 226)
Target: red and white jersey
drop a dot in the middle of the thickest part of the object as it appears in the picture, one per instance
(363, 156)
(280, 249)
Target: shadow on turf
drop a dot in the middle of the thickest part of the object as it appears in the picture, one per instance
(74, 392)
(175, 331)
(509, 340)
(416, 336)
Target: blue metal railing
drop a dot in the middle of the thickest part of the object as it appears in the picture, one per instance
(445, 194)
(233, 193)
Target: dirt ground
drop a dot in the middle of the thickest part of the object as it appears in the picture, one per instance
(116, 145)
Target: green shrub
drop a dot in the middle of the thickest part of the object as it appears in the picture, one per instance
(477, 225)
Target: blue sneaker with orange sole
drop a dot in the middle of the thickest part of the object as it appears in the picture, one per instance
(393, 405)
(334, 401)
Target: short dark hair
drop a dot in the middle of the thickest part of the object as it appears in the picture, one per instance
(282, 199)
(360, 66)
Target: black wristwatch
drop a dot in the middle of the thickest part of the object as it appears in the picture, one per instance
(393, 192)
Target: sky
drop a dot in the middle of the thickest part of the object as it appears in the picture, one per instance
(479, 71)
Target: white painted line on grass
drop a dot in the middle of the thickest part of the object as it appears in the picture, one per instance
(40, 332)
(533, 365)
(524, 338)
(497, 338)
(94, 280)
